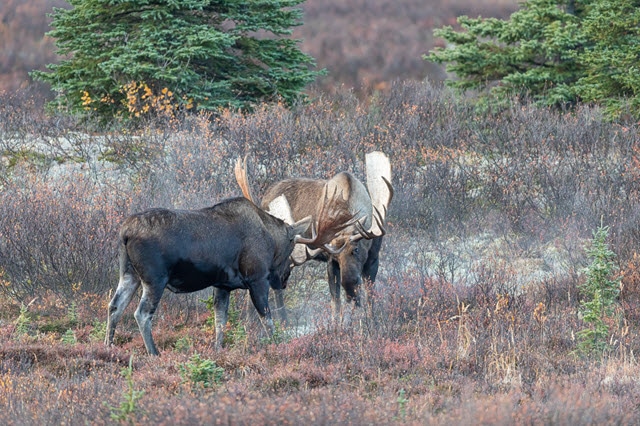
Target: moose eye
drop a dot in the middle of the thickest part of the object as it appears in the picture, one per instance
(355, 250)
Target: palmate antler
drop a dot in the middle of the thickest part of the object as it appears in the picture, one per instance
(377, 230)
(379, 218)
(241, 177)
(332, 218)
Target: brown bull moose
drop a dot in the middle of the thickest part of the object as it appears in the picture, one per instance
(232, 245)
(361, 242)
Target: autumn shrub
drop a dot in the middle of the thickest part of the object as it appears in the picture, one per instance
(476, 362)
(630, 288)
(524, 175)
(58, 235)
(523, 179)
(527, 173)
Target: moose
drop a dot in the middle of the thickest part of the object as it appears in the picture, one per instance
(231, 245)
(360, 242)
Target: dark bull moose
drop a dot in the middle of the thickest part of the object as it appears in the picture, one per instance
(231, 245)
(361, 241)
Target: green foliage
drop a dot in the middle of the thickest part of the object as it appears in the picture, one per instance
(25, 156)
(402, 404)
(210, 323)
(99, 331)
(279, 335)
(236, 331)
(72, 313)
(56, 325)
(600, 292)
(23, 321)
(69, 337)
(128, 58)
(558, 52)
(201, 371)
(183, 344)
(611, 65)
(533, 53)
(128, 406)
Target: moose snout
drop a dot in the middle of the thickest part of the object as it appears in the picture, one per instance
(352, 292)
(355, 299)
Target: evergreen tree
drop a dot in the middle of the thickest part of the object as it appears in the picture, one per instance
(558, 52)
(600, 292)
(534, 53)
(612, 65)
(130, 57)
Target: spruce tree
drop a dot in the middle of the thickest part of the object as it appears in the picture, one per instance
(600, 293)
(558, 52)
(534, 53)
(123, 58)
(612, 65)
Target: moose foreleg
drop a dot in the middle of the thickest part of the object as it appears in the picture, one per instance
(333, 276)
(370, 270)
(221, 309)
(259, 293)
(280, 309)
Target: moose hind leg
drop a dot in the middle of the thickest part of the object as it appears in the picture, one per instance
(127, 287)
(144, 314)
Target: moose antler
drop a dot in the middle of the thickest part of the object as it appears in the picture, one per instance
(332, 218)
(378, 169)
(377, 229)
(304, 253)
(241, 177)
(279, 207)
(379, 218)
